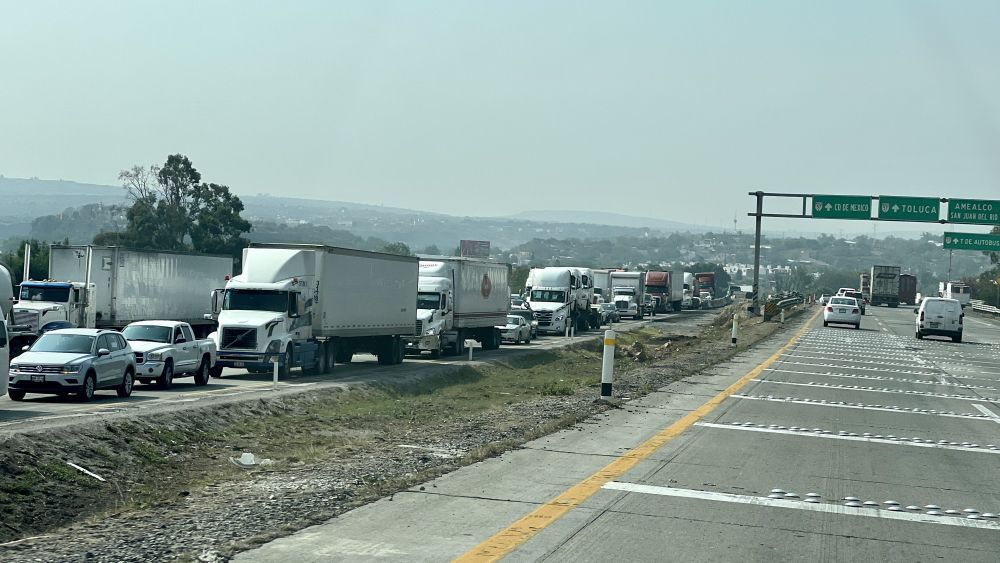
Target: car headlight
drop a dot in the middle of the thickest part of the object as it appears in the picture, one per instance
(154, 356)
(71, 368)
(560, 317)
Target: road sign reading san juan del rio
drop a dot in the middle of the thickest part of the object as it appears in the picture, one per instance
(842, 207)
(974, 211)
(896, 208)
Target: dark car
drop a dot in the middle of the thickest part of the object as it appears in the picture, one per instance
(529, 316)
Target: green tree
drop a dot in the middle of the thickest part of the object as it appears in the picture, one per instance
(39, 269)
(397, 248)
(432, 250)
(518, 277)
(172, 209)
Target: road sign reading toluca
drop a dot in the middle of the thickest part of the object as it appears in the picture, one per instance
(972, 241)
(841, 207)
(974, 211)
(896, 208)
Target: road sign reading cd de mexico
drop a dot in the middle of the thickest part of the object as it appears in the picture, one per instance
(972, 241)
(974, 211)
(896, 208)
(841, 207)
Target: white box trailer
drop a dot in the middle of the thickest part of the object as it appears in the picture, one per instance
(459, 299)
(308, 306)
(629, 290)
(133, 285)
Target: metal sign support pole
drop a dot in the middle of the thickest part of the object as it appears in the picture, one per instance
(756, 254)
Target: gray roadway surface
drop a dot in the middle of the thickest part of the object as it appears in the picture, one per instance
(44, 411)
(872, 413)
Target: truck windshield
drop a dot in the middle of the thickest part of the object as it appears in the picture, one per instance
(255, 300)
(148, 333)
(428, 300)
(50, 294)
(546, 296)
(624, 291)
(68, 343)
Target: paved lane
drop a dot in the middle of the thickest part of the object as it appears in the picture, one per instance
(841, 445)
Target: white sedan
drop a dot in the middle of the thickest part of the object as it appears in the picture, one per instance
(517, 330)
(842, 310)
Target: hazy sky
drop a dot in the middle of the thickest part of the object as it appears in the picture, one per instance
(664, 109)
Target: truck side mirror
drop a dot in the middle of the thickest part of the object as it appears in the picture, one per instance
(216, 306)
(300, 305)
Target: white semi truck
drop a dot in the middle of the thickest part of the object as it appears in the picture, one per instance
(459, 299)
(629, 290)
(309, 306)
(111, 287)
(555, 298)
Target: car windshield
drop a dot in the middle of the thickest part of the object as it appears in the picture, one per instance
(428, 300)
(45, 293)
(607, 306)
(255, 300)
(147, 333)
(513, 320)
(547, 296)
(843, 301)
(66, 343)
(526, 315)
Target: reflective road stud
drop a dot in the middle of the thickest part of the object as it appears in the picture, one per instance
(607, 370)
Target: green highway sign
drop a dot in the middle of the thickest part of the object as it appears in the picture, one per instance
(841, 207)
(972, 241)
(974, 211)
(895, 208)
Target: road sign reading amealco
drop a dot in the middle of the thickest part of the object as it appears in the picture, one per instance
(842, 207)
(972, 241)
(896, 208)
(974, 211)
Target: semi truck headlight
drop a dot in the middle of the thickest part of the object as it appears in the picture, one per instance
(273, 347)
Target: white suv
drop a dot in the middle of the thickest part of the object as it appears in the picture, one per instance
(938, 316)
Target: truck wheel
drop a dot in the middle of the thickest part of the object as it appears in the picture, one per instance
(343, 354)
(322, 363)
(166, 380)
(216, 371)
(16, 394)
(286, 369)
(201, 376)
(436, 354)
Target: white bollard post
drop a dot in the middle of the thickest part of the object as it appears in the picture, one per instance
(470, 353)
(608, 367)
(274, 377)
(567, 329)
(736, 325)
(572, 331)
(782, 316)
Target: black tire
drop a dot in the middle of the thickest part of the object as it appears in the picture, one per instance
(86, 392)
(16, 394)
(216, 371)
(399, 350)
(343, 354)
(166, 380)
(826, 323)
(203, 374)
(956, 338)
(286, 369)
(436, 354)
(857, 326)
(128, 382)
(919, 335)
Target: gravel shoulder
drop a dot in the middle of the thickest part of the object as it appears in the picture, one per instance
(171, 491)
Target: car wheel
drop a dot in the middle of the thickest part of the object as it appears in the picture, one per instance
(857, 326)
(16, 394)
(920, 335)
(826, 323)
(216, 372)
(128, 381)
(202, 375)
(86, 393)
(956, 338)
(166, 381)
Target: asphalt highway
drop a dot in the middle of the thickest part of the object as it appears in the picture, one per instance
(823, 444)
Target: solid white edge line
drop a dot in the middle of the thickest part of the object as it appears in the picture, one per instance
(870, 390)
(881, 409)
(802, 505)
(809, 434)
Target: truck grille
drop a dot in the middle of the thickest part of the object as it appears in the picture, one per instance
(544, 318)
(27, 317)
(239, 338)
(420, 328)
(621, 305)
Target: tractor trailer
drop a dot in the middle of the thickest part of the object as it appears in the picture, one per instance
(309, 306)
(885, 286)
(459, 299)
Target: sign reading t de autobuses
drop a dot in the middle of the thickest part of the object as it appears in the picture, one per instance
(475, 248)
(974, 211)
(972, 241)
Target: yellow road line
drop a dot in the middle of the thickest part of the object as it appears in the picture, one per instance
(508, 539)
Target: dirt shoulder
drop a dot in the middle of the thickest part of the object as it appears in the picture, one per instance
(171, 491)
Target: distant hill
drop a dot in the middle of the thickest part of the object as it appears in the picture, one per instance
(611, 219)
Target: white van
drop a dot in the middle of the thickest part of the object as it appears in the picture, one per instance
(937, 316)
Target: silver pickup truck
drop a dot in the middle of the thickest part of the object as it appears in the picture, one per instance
(165, 350)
